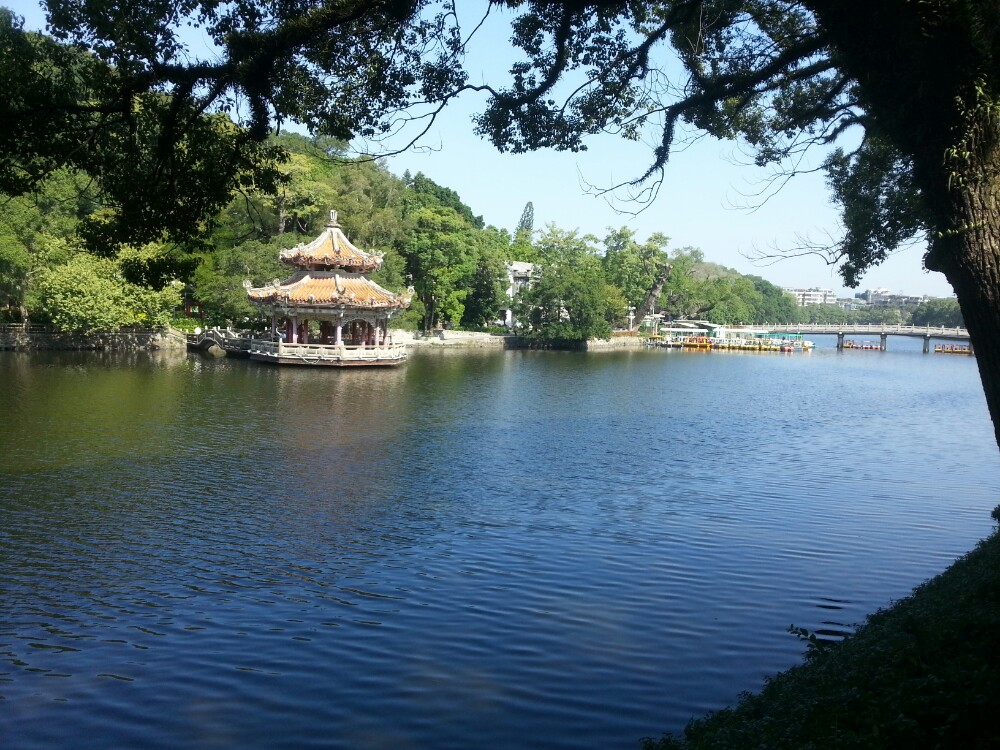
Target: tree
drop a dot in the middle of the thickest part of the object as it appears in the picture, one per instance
(683, 293)
(89, 294)
(425, 189)
(632, 267)
(570, 301)
(218, 281)
(938, 312)
(440, 257)
(488, 288)
(776, 305)
(527, 220)
(731, 300)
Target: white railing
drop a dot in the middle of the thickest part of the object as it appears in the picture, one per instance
(327, 352)
(862, 328)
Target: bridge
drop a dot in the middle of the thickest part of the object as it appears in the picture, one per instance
(882, 331)
(233, 343)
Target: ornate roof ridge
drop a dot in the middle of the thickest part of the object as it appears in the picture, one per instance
(344, 251)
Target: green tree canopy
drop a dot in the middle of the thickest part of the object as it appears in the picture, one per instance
(440, 256)
(775, 304)
(631, 266)
(570, 300)
(938, 312)
(89, 294)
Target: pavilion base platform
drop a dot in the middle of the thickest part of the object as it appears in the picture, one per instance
(327, 355)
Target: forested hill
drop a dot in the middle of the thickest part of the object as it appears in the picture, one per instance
(431, 240)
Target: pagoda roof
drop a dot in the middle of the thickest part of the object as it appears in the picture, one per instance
(331, 249)
(325, 289)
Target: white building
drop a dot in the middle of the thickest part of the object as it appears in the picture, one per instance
(814, 296)
(519, 276)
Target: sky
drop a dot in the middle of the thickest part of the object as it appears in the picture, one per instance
(708, 199)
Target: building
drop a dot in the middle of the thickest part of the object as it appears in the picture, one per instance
(327, 312)
(886, 298)
(814, 296)
(519, 276)
(873, 296)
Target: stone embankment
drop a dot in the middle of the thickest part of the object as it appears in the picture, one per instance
(39, 339)
(474, 340)
(615, 343)
(456, 339)
(16, 338)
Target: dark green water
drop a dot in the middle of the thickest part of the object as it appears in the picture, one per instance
(520, 549)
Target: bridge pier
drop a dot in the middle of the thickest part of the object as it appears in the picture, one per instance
(927, 343)
(840, 341)
(885, 339)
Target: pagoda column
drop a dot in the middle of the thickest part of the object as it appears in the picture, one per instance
(289, 331)
(340, 331)
(274, 326)
(295, 329)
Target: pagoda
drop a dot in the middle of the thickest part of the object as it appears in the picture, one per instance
(350, 314)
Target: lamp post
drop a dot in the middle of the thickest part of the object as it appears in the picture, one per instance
(631, 316)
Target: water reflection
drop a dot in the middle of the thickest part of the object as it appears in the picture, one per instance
(523, 549)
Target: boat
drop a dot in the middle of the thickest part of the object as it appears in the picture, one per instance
(865, 345)
(953, 349)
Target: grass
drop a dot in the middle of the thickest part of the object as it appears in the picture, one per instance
(923, 673)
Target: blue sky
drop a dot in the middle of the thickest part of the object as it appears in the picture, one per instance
(706, 201)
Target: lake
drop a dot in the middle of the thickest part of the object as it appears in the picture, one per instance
(478, 549)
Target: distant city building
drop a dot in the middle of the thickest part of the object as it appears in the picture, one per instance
(814, 296)
(851, 303)
(871, 296)
(885, 297)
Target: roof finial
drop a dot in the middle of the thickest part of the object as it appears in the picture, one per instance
(333, 219)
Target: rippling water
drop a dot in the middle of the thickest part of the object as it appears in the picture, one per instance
(518, 549)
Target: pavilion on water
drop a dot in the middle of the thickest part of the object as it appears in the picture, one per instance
(329, 289)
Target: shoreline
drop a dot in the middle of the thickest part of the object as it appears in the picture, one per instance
(13, 339)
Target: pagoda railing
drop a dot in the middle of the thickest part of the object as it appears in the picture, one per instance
(327, 352)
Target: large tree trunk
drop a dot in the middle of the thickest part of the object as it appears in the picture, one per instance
(927, 79)
(970, 258)
(654, 293)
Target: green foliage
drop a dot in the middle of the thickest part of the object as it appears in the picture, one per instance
(881, 204)
(684, 294)
(938, 312)
(89, 294)
(423, 232)
(488, 287)
(570, 301)
(218, 282)
(774, 305)
(168, 137)
(630, 266)
(427, 192)
(731, 300)
(441, 258)
(527, 221)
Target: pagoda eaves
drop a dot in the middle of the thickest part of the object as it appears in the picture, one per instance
(331, 250)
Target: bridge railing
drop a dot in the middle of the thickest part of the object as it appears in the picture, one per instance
(957, 332)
